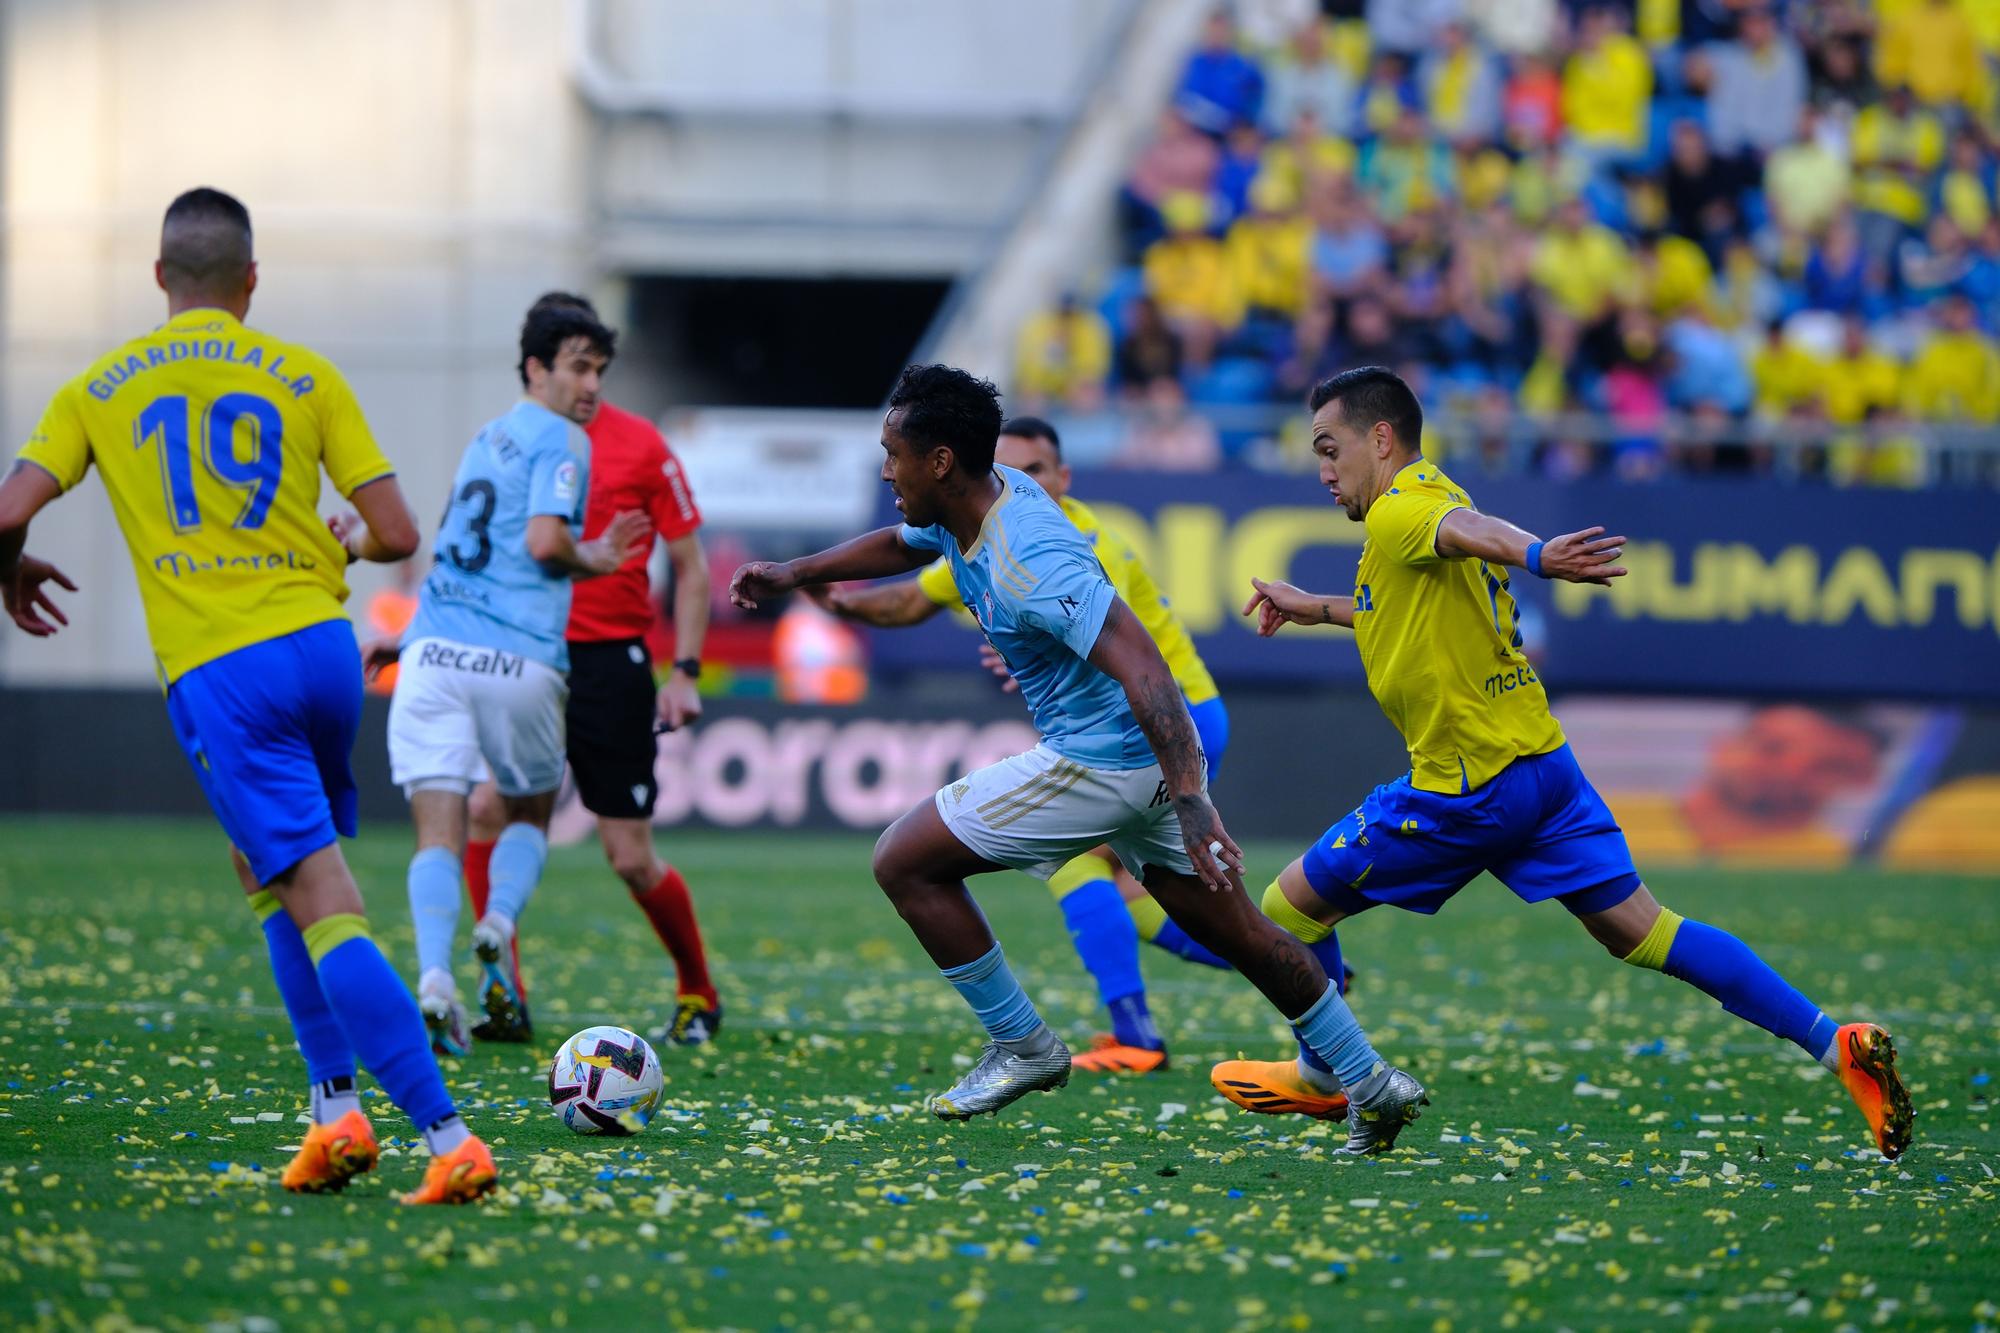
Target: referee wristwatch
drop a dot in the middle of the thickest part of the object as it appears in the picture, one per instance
(689, 667)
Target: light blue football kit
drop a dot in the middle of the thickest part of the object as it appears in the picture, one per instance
(1036, 588)
(482, 683)
(484, 588)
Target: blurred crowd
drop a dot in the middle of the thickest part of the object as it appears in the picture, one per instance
(1673, 235)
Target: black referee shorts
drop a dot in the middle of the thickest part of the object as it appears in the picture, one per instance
(610, 719)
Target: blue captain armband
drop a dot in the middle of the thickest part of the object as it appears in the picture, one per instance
(1533, 562)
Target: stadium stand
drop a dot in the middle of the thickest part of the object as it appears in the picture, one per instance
(1681, 236)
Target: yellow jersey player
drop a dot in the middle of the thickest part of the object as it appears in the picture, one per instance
(1492, 783)
(210, 438)
(1105, 910)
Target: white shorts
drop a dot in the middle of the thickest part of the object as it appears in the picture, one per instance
(459, 708)
(1037, 811)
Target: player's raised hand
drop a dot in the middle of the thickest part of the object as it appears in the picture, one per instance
(1277, 604)
(989, 657)
(1583, 557)
(1218, 861)
(761, 580)
(28, 602)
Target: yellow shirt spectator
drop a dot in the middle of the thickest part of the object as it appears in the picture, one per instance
(1270, 260)
(1786, 376)
(1955, 378)
(1852, 386)
(1806, 184)
(1605, 93)
(1891, 153)
(1062, 353)
(1188, 272)
(1679, 276)
(1585, 270)
(1932, 47)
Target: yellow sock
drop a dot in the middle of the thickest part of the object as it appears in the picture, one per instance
(1085, 869)
(330, 932)
(265, 904)
(1147, 915)
(1279, 908)
(1652, 951)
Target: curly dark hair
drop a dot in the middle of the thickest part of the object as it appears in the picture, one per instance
(953, 408)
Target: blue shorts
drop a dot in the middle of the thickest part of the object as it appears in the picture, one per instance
(270, 730)
(1539, 826)
(1211, 724)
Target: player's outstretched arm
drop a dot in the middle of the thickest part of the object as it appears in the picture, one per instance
(382, 529)
(1127, 654)
(552, 543)
(27, 489)
(885, 606)
(879, 554)
(1277, 604)
(1575, 557)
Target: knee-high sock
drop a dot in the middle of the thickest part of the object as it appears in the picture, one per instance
(517, 869)
(1158, 929)
(434, 906)
(1331, 1031)
(1324, 943)
(1108, 944)
(478, 874)
(479, 888)
(324, 1046)
(380, 1019)
(1717, 962)
(1002, 1007)
(670, 908)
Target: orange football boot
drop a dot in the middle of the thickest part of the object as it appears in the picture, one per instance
(332, 1155)
(1868, 1068)
(1275, 1087)
(459, 1176)
(1108, 1055)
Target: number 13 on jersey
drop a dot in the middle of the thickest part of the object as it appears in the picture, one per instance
(168, 420)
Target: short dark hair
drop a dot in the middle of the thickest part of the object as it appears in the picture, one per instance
(551, 324)
(1369, 394)
(943, 405)
(205, 240)
(563, 301)
(1033, 428)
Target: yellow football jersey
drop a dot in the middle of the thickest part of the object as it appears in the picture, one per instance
(210, 437)
(1133, 583)
(1440, 641)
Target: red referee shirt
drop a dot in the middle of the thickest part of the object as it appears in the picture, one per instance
(631, 467)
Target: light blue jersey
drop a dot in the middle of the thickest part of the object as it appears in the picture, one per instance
(1035, 586)
(484, 588)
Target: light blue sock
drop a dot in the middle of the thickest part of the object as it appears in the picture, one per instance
(1002, 1007)
(516, 869)
(1330, 1030)
(434, 906)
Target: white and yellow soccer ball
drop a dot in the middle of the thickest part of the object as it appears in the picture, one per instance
(605, 1080)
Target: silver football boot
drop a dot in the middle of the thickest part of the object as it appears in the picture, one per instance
(999, 1078)
(1373, 1128)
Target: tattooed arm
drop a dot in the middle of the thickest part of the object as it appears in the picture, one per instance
(1127, 654)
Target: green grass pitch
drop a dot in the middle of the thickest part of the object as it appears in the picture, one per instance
(1605, 1148)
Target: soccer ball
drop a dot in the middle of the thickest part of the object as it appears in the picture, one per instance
(605, 1080)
